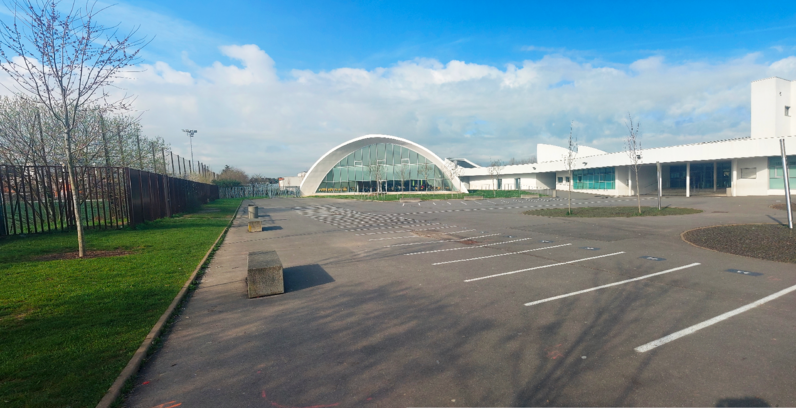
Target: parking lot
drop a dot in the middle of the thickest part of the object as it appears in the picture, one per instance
(472, 303)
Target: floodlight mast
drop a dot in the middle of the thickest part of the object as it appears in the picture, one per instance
(190, 134)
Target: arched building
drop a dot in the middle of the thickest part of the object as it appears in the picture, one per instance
(379, 163)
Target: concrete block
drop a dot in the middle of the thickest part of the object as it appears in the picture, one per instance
(530, 195)
(253, 212)
(264, 274)
(472, 198)
(409, 200)
(255, 226)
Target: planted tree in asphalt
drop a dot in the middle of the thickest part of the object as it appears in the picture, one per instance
(633, 150)
(569, 159)
(65, 63)
(495, 168)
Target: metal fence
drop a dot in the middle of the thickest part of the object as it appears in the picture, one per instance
(36, 199)
(259, 190)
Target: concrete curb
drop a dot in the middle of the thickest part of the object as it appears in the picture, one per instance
(132, 367)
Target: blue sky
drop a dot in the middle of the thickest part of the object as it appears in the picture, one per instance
(323, 35)
(272, 85)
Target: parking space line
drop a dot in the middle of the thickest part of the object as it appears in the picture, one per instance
(382, 239)
(674, 336)
(494, 256)
(469, 247)
(612, 284)
(543, 266)
(445, 240)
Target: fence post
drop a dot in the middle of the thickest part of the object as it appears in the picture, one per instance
(2, 206)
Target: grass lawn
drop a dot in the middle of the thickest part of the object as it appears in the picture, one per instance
(599, 212)
(68, 327)
(772, 242)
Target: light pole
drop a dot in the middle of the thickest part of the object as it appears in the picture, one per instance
(190, 134)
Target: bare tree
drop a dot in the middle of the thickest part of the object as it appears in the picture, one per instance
(569, 159)
(405, 172)
(495, 168)
(377, 174)
(634, 152)
(65, 62)
(423, 170)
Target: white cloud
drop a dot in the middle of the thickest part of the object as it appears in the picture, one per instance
(247, 116)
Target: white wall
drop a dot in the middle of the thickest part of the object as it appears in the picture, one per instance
(756, 186)
(770, 96)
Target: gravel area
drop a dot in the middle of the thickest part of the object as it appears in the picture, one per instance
(784, 207)
(773, 242)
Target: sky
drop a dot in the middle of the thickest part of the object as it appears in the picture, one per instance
(272, 85)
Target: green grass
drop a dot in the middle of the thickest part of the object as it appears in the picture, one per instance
(500, 193)
(601, 212)
(68, 327)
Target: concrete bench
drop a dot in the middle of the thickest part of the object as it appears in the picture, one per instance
(264, 274)
(255, 226)
(471, 198)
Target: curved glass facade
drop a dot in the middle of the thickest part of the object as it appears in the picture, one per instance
(384, 167)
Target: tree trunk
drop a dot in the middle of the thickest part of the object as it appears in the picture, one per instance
(638, 193)
(569, 192)
(75, 192)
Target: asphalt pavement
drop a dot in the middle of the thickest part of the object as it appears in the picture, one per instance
(472, 303)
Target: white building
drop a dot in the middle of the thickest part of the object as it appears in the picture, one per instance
(737, 167)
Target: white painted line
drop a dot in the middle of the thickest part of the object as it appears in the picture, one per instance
(469, 247)
(685, 332)
(543, 266)
(382, 239)
(611, 284)
(493, 256)
(446, 240)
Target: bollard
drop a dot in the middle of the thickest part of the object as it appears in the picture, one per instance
(253, 212)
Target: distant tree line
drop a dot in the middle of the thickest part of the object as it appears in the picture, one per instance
(233, 177)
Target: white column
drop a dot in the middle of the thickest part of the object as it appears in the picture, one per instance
(688, 179)
(629, 181)
(734, 177)
(715, 173)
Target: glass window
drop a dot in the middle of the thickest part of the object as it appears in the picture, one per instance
(594, 179)
(388, 155)
(354, 173)
(776, 179)
(380, 151)
(412, 157)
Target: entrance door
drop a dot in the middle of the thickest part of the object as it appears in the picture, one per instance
(516, 184)
(500, 184)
